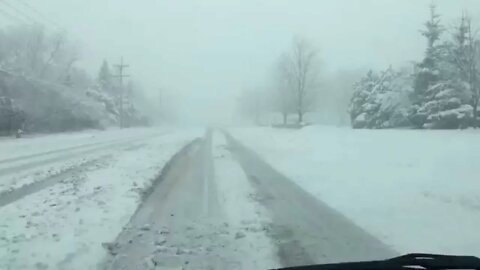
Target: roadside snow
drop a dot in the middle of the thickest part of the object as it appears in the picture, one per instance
(11, 148)
(63, 227)
(248, 219)
(417, 191)
(26, 161)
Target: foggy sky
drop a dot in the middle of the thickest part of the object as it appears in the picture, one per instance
(206, 51)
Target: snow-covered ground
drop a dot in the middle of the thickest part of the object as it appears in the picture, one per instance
(64, 226)
(27, 160)
(417, 191)
(12, 148)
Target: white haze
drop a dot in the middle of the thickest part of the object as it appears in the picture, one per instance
(201, 53)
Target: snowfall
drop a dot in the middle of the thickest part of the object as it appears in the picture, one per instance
(417, 191)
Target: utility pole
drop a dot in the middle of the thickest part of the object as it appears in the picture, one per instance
(121, 67)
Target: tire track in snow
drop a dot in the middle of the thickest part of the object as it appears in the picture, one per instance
(66, 149)
(180, 223)
(10, 196)
(134, 245)
(65, 153)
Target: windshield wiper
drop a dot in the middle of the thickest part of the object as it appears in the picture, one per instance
(409, 261)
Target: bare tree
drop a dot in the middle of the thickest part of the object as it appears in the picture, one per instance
(32, 51)
(300, 69)
(467, 59)
(58, 42)
(36, 47)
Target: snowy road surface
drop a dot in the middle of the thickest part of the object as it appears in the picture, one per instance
(186, 224)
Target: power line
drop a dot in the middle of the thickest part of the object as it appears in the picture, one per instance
(7, 4)
(23, 16)
(39, 14)
(12, 17)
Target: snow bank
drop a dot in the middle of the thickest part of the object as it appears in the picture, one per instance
(417, 191)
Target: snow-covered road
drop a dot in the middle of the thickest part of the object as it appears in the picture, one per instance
(220, 206)
(75, 191)
(264, 198)
(197, 217)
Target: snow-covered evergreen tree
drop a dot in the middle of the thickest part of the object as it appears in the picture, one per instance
(427, 72)
(445, 108)
(439, 96)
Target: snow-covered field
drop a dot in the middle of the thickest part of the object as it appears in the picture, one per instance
(64, 226)
(417, 191)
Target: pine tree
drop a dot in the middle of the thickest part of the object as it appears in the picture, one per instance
(427, 71)
(440, 97)
(105, 76)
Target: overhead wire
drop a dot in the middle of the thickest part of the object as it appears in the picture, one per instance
(40, 14)
(11, 17)
(19, 13)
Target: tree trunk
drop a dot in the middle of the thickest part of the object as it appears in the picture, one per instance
(475, 112)
(300, 117)
(9, 123)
